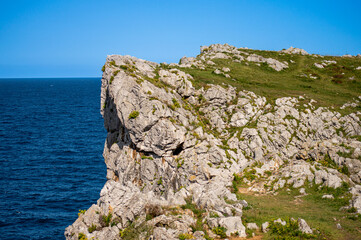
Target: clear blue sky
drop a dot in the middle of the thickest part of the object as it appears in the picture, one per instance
(54, 38)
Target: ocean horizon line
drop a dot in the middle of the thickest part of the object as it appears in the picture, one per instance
(7, 78)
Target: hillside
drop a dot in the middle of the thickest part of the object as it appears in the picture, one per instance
(232, 143)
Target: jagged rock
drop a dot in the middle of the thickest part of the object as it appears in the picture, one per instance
(303, 226)
(356, 199)
(265, 227)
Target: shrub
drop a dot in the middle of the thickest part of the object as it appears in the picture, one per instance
(103, 68)
(82, 236)
(221, 231)
(133, 115)
(184, 236)
(153, 211)
(105, 219)
(175, 103)
(92, 228)
(115, 222)
(81, 211)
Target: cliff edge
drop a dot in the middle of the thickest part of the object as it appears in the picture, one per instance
(186, 140)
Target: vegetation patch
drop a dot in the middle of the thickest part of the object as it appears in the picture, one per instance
(321, 214)
(133, 115)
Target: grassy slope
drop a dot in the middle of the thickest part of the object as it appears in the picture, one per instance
(319, 213)
(333, 86)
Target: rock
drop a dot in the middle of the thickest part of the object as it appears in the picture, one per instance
(252, 226)
(283, 223)
(302, 191)
(226, 69)
(273, 63)
(338, 226)
(233, 225)
(318, 65)
(265, 227)
(293, 50)
(303, 226)
(328, 196)
(217, 71)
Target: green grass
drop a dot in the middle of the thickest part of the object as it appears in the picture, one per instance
(319, 213)
(331, 88)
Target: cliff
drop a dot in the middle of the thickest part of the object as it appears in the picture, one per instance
(187, 141)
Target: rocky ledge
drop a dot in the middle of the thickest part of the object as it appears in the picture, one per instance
(173, 150)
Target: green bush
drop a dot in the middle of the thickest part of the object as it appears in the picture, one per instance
(133, 115)
(82, 236)
(184, 236)
(92, 228)
(221, 231)
(106, 219)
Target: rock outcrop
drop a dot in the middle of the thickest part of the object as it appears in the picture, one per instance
(172, 150)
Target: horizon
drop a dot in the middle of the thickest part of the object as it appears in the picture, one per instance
(60, 39)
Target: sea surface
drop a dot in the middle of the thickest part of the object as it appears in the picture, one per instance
(51, 164)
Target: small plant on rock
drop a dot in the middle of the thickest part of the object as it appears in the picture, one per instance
(184, 236)
(92, 228)
(105, 219)
(82, 236)
(81, 211)
(133, 115)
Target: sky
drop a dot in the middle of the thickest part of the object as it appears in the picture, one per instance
(59, 38)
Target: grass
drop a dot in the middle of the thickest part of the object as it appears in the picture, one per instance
(319, 213)
(333, 86)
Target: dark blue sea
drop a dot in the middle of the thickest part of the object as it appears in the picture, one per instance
(51, 164)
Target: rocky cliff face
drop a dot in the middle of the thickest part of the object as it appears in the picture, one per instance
(172, 151)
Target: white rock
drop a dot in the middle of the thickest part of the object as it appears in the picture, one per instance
(303, 226)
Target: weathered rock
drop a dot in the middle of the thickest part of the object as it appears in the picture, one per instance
(233, 225)
(265, 227)
(328, 196)
(252, 226)
(303, 226)
(293, 50)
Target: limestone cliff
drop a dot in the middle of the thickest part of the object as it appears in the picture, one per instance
(172, 148)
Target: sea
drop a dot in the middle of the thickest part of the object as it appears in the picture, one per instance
(51, 165)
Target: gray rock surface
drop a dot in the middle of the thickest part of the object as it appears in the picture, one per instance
(303, 226)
